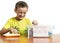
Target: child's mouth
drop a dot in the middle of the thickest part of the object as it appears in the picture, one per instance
(21, 16)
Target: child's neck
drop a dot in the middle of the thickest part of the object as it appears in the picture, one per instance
(18, 19)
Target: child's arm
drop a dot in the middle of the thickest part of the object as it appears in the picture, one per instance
(3, 31)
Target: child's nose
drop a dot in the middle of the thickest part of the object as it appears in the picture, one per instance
(22, 14)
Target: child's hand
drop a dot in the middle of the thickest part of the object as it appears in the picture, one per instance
(14, 31)
(34, 22)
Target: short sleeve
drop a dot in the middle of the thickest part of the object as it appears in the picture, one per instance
(8, 24)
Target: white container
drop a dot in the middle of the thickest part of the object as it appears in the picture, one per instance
(42, 31)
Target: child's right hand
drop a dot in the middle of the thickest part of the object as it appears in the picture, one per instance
(14, 31)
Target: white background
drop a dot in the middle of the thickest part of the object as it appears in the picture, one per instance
(46, 12)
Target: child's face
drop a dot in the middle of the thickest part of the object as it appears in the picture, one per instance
(21, 12)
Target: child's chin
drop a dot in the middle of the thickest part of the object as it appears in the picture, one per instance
(21, 18)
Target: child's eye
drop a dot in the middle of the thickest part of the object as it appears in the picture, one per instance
(24, 12)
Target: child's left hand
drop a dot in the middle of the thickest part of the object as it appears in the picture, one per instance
(34, 22)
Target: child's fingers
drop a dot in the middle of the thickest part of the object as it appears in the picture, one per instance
(14, 31)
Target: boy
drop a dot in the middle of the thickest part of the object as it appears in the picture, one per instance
(19, 22)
